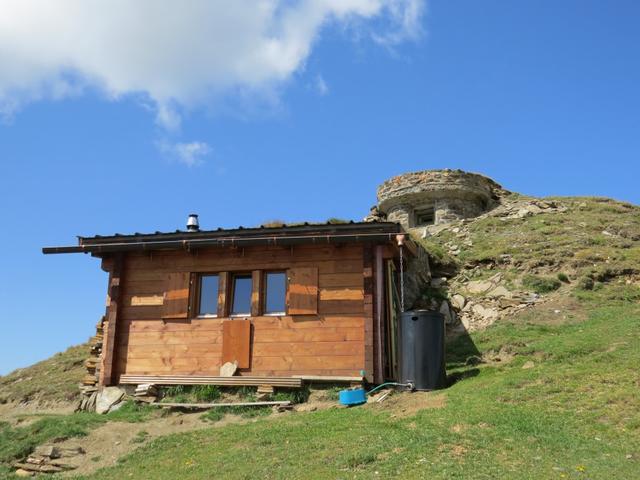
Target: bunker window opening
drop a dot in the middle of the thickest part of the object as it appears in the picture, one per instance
(208, 288)
(426, 216)
(275, 295)
(242, 287)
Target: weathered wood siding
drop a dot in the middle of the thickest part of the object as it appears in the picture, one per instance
(335, 342)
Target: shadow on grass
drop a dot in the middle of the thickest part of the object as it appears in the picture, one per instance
(462, 356)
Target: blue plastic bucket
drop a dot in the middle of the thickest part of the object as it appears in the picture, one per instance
(352, 397)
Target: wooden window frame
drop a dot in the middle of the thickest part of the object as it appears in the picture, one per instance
(231, 292)
(197, 292)
(226, 287)
(263, 294)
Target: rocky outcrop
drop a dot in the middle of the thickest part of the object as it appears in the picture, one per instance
(430, 202)
(508, 209)
(476, 300)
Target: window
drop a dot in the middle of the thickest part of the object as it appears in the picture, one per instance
(208, 301)
(275, 293)
(241, 303)
(425, 216)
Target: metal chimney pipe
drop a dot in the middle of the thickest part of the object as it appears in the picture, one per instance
(192, 223)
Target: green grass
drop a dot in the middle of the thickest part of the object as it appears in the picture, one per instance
(55, 379)
(541, 284)
(596, 231)
(575, 415)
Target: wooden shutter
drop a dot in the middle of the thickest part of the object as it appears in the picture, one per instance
(302, 294)
(236, 342)
(176, 295)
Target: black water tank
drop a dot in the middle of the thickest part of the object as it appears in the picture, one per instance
(422, 349)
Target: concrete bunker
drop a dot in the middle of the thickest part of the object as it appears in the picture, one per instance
(433, 197)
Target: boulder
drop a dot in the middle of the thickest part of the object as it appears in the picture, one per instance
(449, 315)
(497, 278)
(107, 398)
(506, 302)
(458, 301)
(486, 313)
(479, 286)
(228, 369)
(522, 213)
(438, 282)
(23, 473)
(47, 451)
(499, 292)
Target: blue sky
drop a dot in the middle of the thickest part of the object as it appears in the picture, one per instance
(540, 95)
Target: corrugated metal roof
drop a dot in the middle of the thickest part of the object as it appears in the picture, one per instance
(241, 236)
(242, 230)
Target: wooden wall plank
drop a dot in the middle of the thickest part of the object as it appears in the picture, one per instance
(302, 292)
(176, 295)
(283, 345)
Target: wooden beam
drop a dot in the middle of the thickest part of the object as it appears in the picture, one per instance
(378, 311)
(328, 378)
(369, 364)
(109, 353)
(241, 380)
(256, 300)
(202, 406)
(223, 293)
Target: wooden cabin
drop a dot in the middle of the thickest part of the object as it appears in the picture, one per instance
(291, 303)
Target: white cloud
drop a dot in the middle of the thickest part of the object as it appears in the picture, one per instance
(405, 19)
(189, 154)
(321, 86)
(178, 55)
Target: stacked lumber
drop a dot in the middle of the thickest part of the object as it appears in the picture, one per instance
(89, 388)
(92, 364)
(48, 459)
(264, 392)
(146, 392)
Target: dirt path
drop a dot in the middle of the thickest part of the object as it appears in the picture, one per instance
(111, 441)
(14, 412)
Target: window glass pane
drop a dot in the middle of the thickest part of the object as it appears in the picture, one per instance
(276, 292)
(208, 295)
(241, 295)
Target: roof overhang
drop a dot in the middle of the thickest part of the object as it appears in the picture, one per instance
(362, 232)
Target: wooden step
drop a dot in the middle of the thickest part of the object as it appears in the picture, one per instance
(210, 380)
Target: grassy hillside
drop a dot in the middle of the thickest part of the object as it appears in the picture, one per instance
(551, 391)
(55, 379)
(595, 238)
(573, 412)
